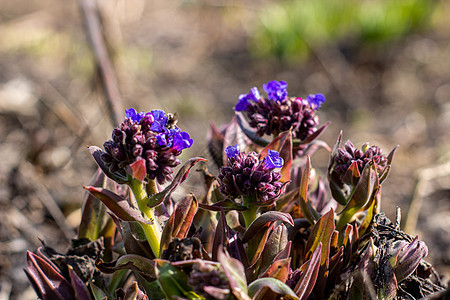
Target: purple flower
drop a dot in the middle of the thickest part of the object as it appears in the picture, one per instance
(244, 99)
(160, 120)
(276, 90)
(134, 115)
(273, 160)
(146, 136)
(278, 112)
(182, 140)
(233, 152)
(246, 175)
(315, 101)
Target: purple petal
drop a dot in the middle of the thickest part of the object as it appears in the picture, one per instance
(233, 152)
(134, 115)
(273, 160)
(182, 140)
(315, 100)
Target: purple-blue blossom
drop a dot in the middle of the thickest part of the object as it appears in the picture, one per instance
(276, 90)
(233, 152)
(244, 99)
(273, 160)
(160, 121)
(315, 101)
(182, 140)
(134, 115)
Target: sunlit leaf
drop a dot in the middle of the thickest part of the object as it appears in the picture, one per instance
(117, 204)
(179, 178)
(303, 193)
(255, 289)
(138, 170)
(308, 278)
(145, 266)
(283, 145)
(266, 219)
(180, 221)
(235, 272)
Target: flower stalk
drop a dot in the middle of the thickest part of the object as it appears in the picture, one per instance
(251, 214)
(153, 229)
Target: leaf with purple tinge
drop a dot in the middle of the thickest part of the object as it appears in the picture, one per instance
(313, 136)
(352, 175)
(266, 219)
(94, 211)
(308, 278)
(225, 236)
(385, 173)
(80, 288)
(179, 178)
(408, 258)
(138, 170)
(145, 266)
(117, 204)
(363, 193)
(303, 193)
(180, 221)
(250, 132)
(276, 243)
(47, 281)
(226, 205)
(258, 289)
(235, 272)
(133, 293)
(283, 145)
(116, 176)
(279, 269)
(321, 234)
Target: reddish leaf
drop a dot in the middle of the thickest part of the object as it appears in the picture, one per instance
(117, 204)
(279, 269)
(303, 193)
(352, 175)
(116, 176)
(315, 135)
(266, 219)
(138, 170)
(249, 131)
(179, 178)
(308, 279)
(283, 144)
(180, 221)
(47, 281)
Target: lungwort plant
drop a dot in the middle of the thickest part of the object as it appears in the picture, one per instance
(266, 227)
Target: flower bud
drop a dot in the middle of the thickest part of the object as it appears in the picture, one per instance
(405, 257)
(246, 175)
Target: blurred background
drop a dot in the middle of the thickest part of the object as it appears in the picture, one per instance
(384, 67)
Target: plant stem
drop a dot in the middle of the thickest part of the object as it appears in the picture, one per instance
(252, 212)
(153, 230)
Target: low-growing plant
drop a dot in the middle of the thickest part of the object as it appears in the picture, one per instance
(267, 227)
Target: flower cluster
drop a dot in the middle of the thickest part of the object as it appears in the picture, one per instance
(349, 154)
(278, 112)
(151, 136)
(209, 281)
(246, 175)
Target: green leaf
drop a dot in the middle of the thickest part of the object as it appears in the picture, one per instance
(363, 193)
(158, 198)
(235, 272)
(173, 281)
(281, 289)
(97, 292)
